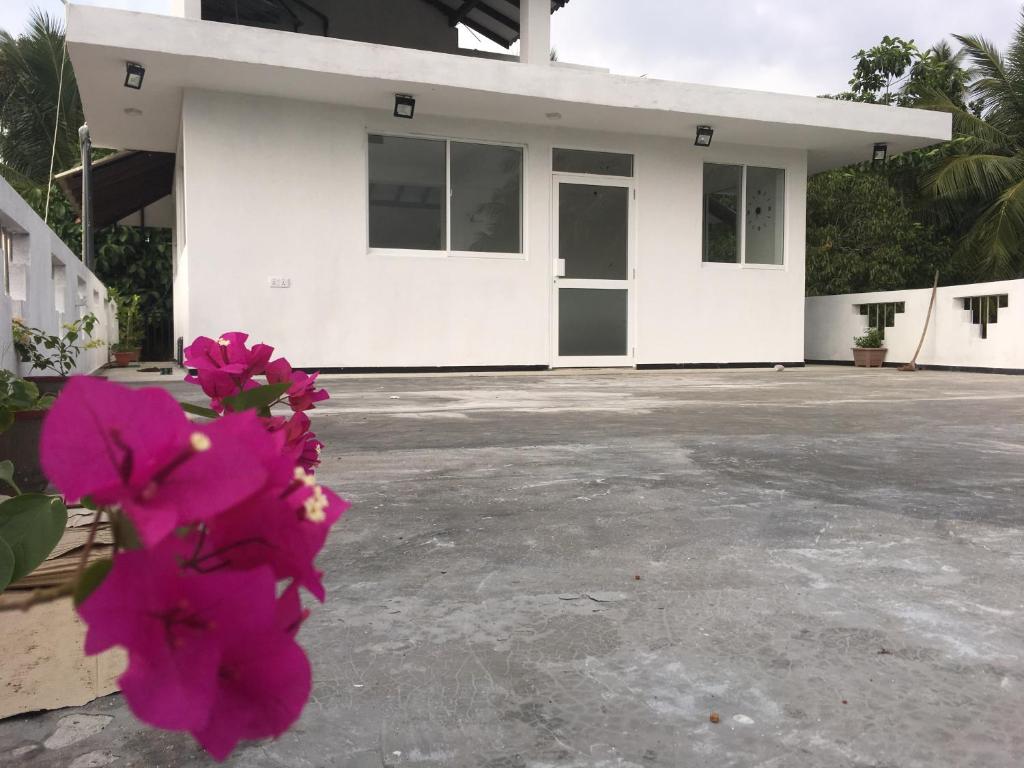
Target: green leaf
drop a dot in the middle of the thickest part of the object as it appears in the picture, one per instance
(32, 524)
(260, 397)
(125, 534)
(6, 565)
(90, 580)
(7, 474)
(198, 410)
(6, 419)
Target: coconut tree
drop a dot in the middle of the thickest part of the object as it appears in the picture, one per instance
(979, 176)
(32, 66)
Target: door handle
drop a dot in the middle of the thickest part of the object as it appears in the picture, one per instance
(559, 267)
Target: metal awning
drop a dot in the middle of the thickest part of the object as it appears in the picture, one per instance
(123, 183)
(497, 20)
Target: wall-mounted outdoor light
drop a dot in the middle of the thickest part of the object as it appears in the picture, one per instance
(405, 106)
(704, 135)
(880, 153)
(133, 75)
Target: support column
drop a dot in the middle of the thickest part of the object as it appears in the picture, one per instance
(535, 31)
(187, 9)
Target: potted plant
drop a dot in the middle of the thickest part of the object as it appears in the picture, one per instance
(124, 354)
(22, 409)
(129, 321)
(868, 351)
(51, 352)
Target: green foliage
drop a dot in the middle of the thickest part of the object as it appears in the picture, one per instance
(18, 395)
(258, 398)
(896, 71)
(198, 410)
(870, 340)
(91, 579)
(882, 71)
(50, 352)
(6, 565)
(31, 525)
(978, 178)
(30, 73)
(129, 321)
(7, 475)
(958, 207)
(862, 236)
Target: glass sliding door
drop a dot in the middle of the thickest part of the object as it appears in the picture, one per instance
(593, 271)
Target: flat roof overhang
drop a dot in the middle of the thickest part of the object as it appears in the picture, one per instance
(182, 54)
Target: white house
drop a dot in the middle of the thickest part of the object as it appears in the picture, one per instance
(526, 213)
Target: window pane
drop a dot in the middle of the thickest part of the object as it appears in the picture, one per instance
(487, 198)
(722, 191)
(593, 231)
(766, 195)
(407, 193)
(600, 163)
(592, 322)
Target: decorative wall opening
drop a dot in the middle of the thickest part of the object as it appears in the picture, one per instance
(985, 309)
(881, 316)
(14, 261)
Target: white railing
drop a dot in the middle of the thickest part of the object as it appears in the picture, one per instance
(987, 333)
(46, 285)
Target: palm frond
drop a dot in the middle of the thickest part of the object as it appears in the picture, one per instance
(994, 242)
(974, 176)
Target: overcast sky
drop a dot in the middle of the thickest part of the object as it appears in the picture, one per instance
(792, 46)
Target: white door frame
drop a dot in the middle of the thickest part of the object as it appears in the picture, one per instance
(617, 361)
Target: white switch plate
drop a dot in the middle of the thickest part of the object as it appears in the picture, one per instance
(280, 282)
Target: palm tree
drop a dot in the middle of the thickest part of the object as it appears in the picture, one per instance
(31, 68)
(979, 176)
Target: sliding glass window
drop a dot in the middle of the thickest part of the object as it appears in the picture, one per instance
(412, 181)
(743, 215)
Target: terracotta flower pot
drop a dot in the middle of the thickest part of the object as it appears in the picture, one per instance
(135, 354)
(121, 359)
(20, 444)
(864, 357)
(48, 385)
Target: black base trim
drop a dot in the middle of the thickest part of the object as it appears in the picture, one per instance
(429, 369)
(929, 367)
(705, 366)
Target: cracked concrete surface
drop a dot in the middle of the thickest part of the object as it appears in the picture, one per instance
(576, 569)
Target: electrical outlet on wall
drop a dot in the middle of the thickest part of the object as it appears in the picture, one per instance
(280, 282)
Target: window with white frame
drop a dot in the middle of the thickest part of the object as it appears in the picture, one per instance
(445, 195)
(744, 214)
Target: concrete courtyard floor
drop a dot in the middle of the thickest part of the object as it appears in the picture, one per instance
(577, 569)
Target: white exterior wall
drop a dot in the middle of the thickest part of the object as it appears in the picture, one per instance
(34, 297)
(953, 340)
(279, 188)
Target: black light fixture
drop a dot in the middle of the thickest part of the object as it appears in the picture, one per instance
(405, 106)
(880, 153)
(133, 75)
(704, 135)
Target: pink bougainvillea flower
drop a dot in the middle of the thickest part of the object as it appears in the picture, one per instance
(264, 681)
(225, 365)
(135, 449)
(302, 394)
(174, 624)
(228, 353)
(285, 529)
(218, 385)
(213, 653)
(299, 442)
